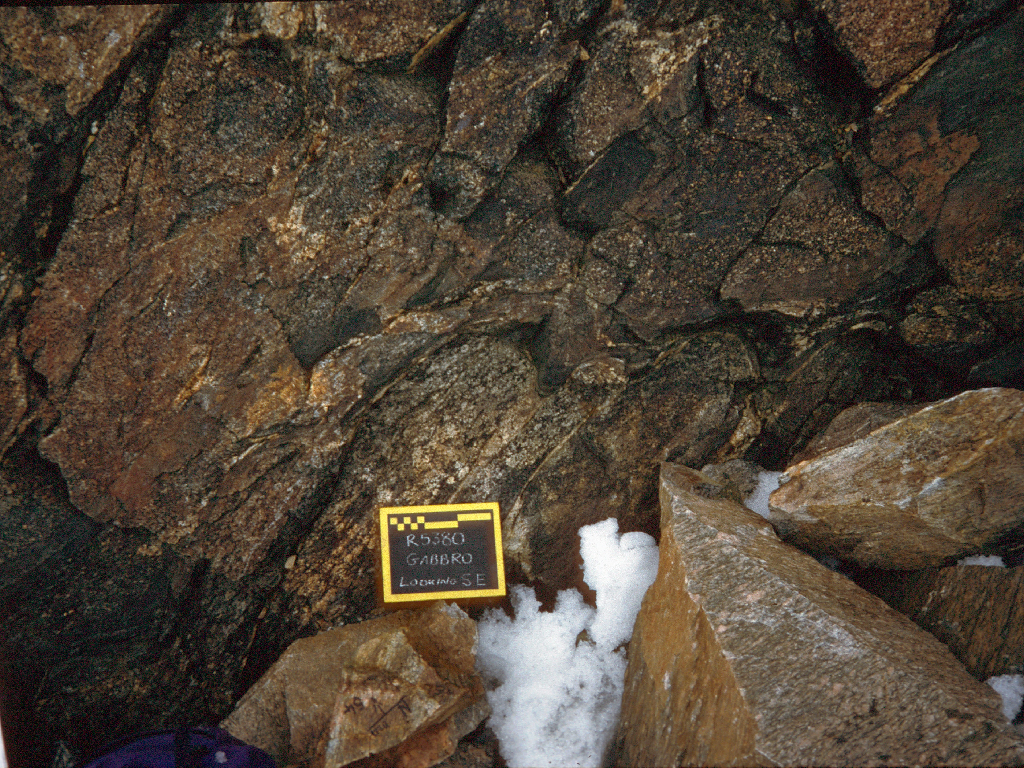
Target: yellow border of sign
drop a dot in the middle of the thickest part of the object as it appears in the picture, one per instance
(385, 552)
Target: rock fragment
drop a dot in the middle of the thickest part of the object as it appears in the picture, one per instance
(938, 484)
(401, 690)
(748, 651)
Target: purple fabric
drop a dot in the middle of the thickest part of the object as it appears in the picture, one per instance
(186, 748)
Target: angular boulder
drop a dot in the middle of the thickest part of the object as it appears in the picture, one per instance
(748, 651)
(938, 484)
(399, 690)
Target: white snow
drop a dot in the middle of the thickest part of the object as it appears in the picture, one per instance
(992, 561)
(1011, 688)
(757, 501)
(559, 675)
(619, 570)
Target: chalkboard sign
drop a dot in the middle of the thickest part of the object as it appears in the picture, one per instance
(441, 552)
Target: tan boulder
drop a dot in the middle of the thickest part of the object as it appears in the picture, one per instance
(400, 690)
(938, 484)
(747, 651)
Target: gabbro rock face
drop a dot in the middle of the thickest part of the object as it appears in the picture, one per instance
(266, 267)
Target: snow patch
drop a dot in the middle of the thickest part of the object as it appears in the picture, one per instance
(557, 677)
(757, 501)
(1011, 689)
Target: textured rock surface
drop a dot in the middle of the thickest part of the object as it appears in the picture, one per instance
(401, 688)
(71, 49)
(750, 652)
(887, 41)
(510, 66)
(819, 250)
(977, 611)
(938, 484)
(259, 275)
(945, 159)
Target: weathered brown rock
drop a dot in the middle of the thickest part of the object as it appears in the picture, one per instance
(977, 611)
(553, 463)
(402, 689)
(13, 390)
(948, 158)
(748, 651)
(948, 327)
(73, 49)
(818, 250)
(59, 71)
(646, 177)
(633, 74)
(365, 31)
(510, 65)
(886, 41)
(239, 309)
(940, 483)
(150, 357)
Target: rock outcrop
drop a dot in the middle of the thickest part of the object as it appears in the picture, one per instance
(267, 267)
(748, 651)
(943, 482)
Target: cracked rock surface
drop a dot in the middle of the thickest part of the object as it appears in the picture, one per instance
(267, 267)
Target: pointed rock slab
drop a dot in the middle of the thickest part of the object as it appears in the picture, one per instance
(748, 651)
(938, 484)
(400, 690)
(975, 610)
